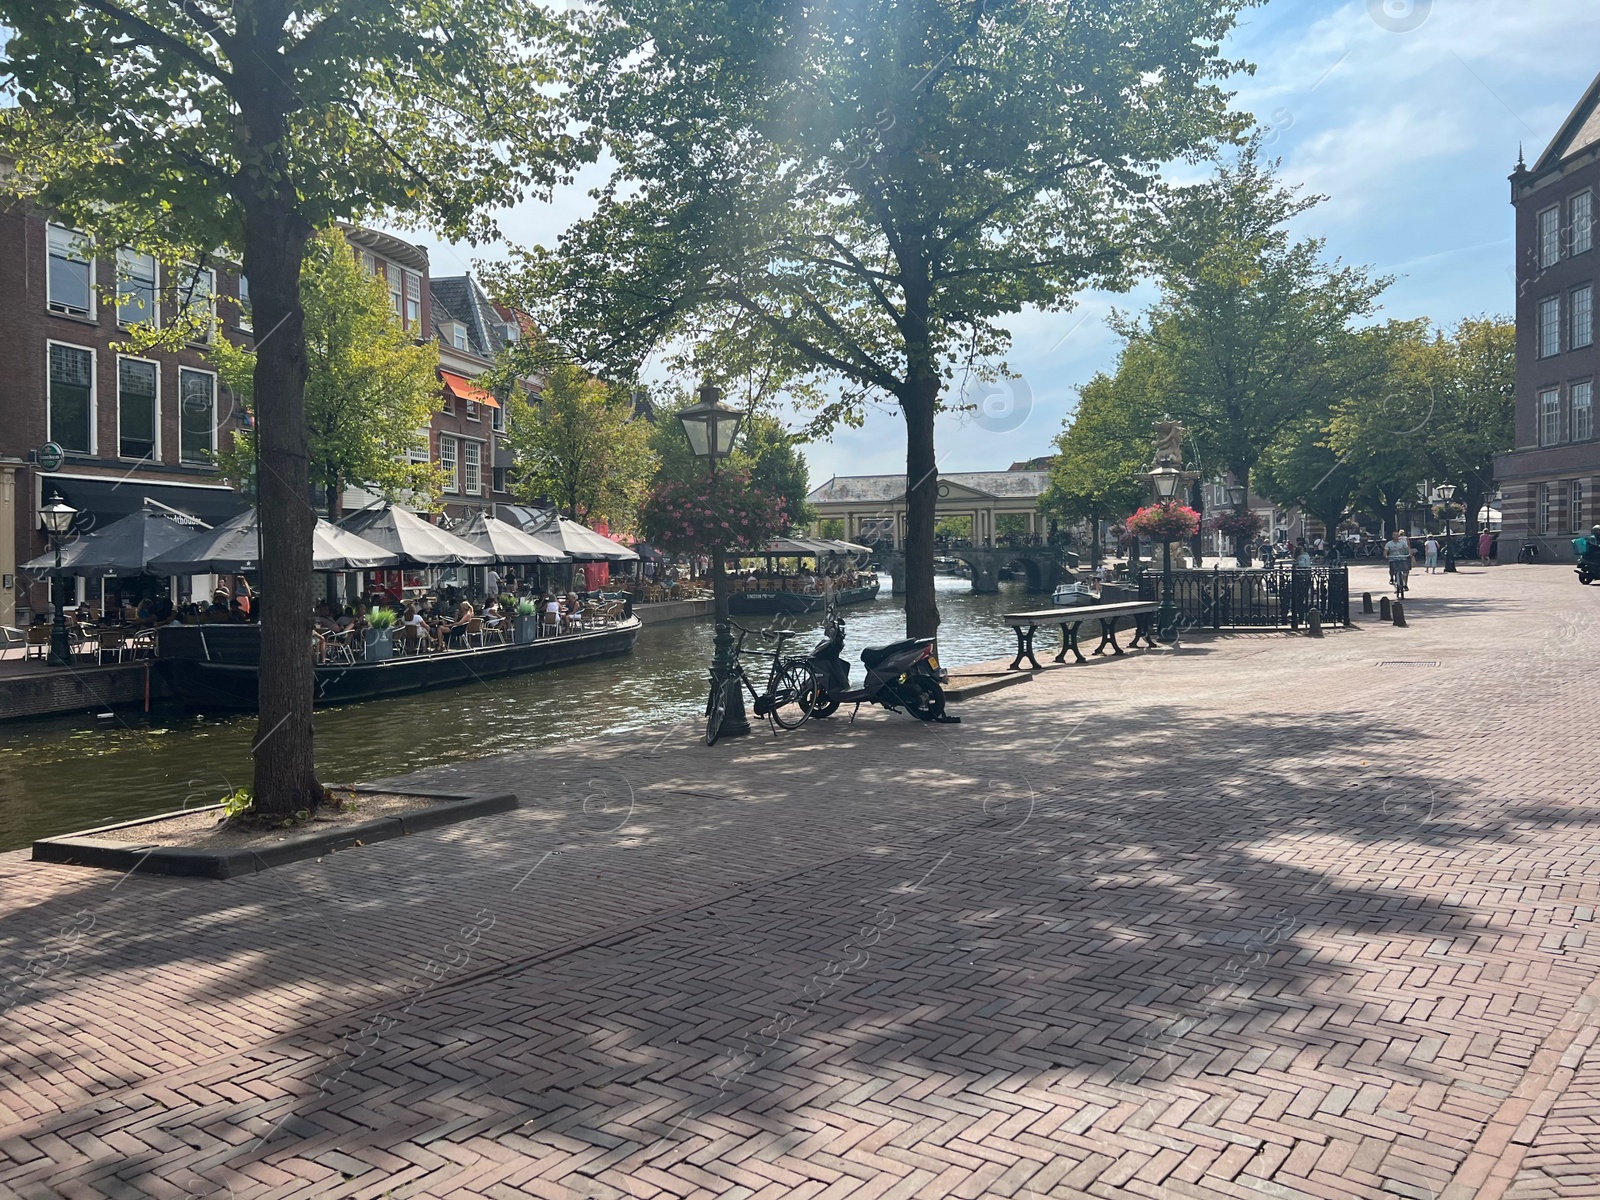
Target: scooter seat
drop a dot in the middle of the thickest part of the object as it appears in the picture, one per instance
(873, 655)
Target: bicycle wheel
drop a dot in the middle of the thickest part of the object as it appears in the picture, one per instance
(716, 709)
(794, 692)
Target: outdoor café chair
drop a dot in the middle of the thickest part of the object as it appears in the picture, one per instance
(111, 641)
(474, 635)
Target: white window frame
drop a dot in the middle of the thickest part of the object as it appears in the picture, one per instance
(1548, 325)
(152, 314)
(497, 418)
(1580, 222)
(1580, 317)
(471, 448)
(458, 337)
(155, 454)
(472, 410)
(1548, 233)
(1546, 506)
(1574, 505)
(185, 300)
(1549, 410)
(450, 461)
(61, 308)
(418, 451)
(246, 322)
(216, 411)
(395, 278)
(1582, 429)
(94, 395)
(413, 315)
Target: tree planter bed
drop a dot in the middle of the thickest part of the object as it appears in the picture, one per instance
(190, 843)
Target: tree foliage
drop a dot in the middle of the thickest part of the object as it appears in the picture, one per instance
(370, 389)
(579, 444)
(245, 126)
(766, 451)
(872, 188)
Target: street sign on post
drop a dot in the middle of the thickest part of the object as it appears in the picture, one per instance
(51, 456)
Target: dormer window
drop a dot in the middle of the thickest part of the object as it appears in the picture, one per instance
(454, 334)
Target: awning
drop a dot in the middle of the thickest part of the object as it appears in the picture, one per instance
(234, 547)
(463, 388)
(417, 543)
(111, 497)
(122, 547)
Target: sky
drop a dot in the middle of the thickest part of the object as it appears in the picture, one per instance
(1406, 114)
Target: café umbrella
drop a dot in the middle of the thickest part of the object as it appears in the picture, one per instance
(506, 542)
(125, 546)
(413, 541)
(583, 544)
(234, 548)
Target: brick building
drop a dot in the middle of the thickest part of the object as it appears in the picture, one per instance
(1549, 480)
(131, 425)
(468, 438)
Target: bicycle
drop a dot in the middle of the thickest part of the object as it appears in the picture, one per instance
(792, 685)
(1399, 576)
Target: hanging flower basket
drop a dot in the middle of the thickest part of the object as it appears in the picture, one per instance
(1239, 525)
(1170, 522)
(696, 518)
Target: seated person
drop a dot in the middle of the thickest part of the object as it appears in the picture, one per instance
(323, 621)
(572, 611)
(552, 611)
(455, 632)
(346, 618)
(144, 616)
(492, 616)
(165, 613)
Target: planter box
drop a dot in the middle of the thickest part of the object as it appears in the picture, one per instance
(526, 628)
(380, 644)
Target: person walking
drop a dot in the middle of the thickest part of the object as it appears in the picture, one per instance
(1484, 542)
(1430, 551)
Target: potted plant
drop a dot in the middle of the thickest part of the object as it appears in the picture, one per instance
(526, 620)
(1167, 522)
(380, 634)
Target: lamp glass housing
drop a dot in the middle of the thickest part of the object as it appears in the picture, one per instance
(710, 426)
(1447, 492)
(57, 516)
(1165, 482)
(1236, 494)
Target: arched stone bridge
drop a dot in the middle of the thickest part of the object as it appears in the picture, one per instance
(1044, 567)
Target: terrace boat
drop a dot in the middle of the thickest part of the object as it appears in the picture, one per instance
(794, 593)
(216, 666)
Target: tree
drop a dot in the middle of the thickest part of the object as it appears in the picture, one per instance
(873, 187)
(765, 450)
(1301, 470)
(370, 389)
(579, 444)
(1105, 445)
(248, 125)
(1251, 333)
(1476, 417)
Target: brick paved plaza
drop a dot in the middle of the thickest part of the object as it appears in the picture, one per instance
(1263, 917)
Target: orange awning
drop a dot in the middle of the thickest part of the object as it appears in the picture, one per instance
(464, 389)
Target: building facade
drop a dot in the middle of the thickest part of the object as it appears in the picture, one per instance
(1548, 481)
(468, 438)
(132, 425)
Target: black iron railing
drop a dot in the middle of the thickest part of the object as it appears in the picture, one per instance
(1271, 598)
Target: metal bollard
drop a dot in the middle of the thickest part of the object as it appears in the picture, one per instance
(1383, 608)
(1313, 623)
(1366, 602)
(1399, 614)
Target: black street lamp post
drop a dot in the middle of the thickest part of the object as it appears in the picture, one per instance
(1447, 493)
(711, 427)
(57, 519)
(1164, 482)
(1241, 544)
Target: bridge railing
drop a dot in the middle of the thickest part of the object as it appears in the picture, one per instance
(1270, 598)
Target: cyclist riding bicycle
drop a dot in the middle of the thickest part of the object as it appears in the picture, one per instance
(1398, 551)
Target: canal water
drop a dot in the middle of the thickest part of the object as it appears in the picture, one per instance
(67, 773)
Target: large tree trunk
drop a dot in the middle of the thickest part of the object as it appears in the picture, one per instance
(285, 772)
(922, 496)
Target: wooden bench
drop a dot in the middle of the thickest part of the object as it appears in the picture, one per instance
(1070, 617)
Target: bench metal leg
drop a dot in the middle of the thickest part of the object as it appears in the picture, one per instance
(1108, 636)
(1069, 641)
(1025, 648)
(1144, 628)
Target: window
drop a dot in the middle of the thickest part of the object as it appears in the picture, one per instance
(369, 262)
(1547, 504)
(1581, 310)
(472, 411)
(72, 398)
(197, 415)
(136, 408)
(1582, 222)
(1574, 506)
(136, 288)
(458, 337)
(497, 417)
(1549, 417)
(1550, 237)
(1550, 327)
(1582, 397)
(395, 296)
(413, 301)
(197, 300)
(447, 460)
(474, 462)
(246, 311)
(497, 478)
(417, 452)
(70, 283)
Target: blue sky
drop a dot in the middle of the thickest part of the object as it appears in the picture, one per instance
(1407, 114)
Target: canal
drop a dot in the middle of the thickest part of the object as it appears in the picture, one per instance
(67, 773)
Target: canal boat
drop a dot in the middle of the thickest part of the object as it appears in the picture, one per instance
(216, 666)
(795, 603)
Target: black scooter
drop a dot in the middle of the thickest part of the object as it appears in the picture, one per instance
(904, 674)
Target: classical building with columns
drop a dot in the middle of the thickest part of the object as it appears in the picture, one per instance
(873, 507)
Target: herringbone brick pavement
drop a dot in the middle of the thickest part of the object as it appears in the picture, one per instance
(1261, 917)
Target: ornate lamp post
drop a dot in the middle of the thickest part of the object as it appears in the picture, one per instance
(711, 428)
(1165, 479)
(1241, 550)
(57, 520)
(1447, 493)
